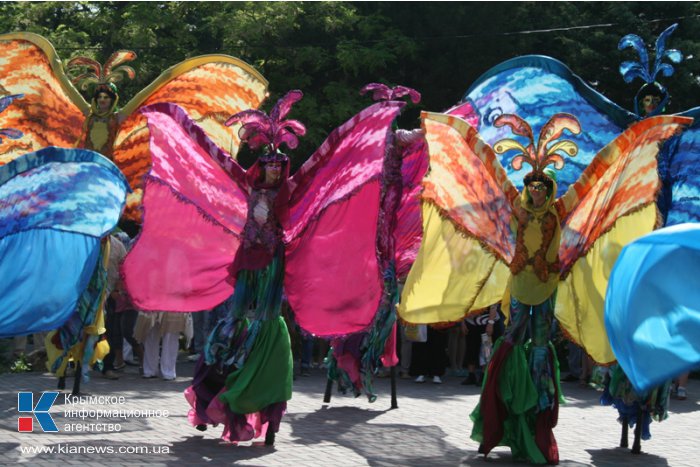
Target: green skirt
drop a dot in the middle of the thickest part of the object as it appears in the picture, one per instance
(266, 376)
(519, 394)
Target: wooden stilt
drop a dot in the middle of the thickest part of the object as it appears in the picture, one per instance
(637, 446)
(625, 428)
(76, 379)
(394, 403)
(329, 388)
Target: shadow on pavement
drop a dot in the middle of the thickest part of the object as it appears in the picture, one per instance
(217, 451)
(377, 443)
(622, 456)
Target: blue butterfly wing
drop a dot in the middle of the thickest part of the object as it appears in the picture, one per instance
(536, 87)
(679, 169)
(55, 205)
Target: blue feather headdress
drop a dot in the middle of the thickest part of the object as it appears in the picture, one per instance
(641, 69)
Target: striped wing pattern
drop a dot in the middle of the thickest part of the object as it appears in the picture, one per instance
(614, 203)
(461, 263)
(209, 90)
(535, 87)
(350, 157)
(71, 190)
(55, 206)
(621, 179)
(467, 182)
(47, 114)
(679, 167)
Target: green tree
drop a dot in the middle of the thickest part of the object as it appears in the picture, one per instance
(330, 50)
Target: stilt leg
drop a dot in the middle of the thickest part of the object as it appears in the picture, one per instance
(637, 446)
(625, 428)
(394, 403)
(76, 379)
(327, 394)
(269, 437)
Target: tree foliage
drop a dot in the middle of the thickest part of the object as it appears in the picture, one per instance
(331, 49)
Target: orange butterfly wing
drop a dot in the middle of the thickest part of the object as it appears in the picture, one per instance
(610, 205)
(52, 112)
(209, 88)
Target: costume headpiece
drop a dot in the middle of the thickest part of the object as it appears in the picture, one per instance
(382, 92)
(541, 156)
(99, 77)
(9, 132)
(259, 130)
(631, 70)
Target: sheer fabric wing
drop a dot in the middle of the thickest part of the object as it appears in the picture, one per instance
(461, 263)
(55, 205)
(614, 204)
(51, 113)
(535, 87)
(209, 88)
(679, 168)
(652, 311)
(332, 275)
(195, 206)
(409, 231)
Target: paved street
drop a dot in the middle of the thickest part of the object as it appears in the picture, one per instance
(430, 428)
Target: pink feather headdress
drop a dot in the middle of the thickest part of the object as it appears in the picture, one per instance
(382, 92)
(259, 130)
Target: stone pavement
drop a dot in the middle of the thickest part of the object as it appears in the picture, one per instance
(430, 428)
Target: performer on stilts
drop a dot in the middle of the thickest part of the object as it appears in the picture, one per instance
(244, 378)
(467, 199)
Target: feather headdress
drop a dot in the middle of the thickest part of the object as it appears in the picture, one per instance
(260, 130)
(641, 69)
(544, 153)
(98, 75)
(382, 92)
